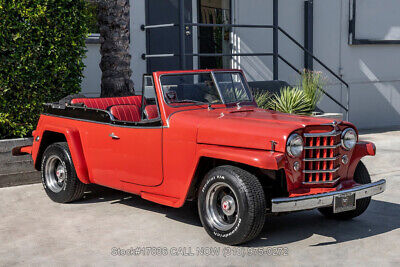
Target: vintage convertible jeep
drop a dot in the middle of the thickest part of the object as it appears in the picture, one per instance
(199, 135)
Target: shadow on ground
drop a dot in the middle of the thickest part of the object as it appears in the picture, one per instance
(381, 217)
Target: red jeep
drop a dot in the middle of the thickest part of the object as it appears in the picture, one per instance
(199, 135)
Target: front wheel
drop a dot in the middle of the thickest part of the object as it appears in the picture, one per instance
(361, 176)
(231, 205)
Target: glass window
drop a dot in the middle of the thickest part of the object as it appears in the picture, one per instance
(215, 39)
(190, 88)
(233, 88)
(93, 10)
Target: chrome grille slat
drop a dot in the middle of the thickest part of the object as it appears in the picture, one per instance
(321, 171)
(323, 182)
(321, 158)
(322, 147)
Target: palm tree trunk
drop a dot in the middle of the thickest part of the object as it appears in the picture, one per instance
(114, 39)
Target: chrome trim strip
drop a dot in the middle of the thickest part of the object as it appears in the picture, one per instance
(322, 147)
(329, 182)
(321, 159)
(288, 204)
(321, 171)
(326, 134)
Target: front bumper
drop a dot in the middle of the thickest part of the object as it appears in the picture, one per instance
(288, 204)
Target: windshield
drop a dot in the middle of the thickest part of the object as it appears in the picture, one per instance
(199, 88)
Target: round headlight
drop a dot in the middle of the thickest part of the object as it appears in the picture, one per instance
(349, 138)
(294, 145)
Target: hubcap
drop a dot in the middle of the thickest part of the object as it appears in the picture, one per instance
(228, 205)
(222, 210)
(55, 174)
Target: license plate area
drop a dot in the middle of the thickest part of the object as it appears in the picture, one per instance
(344, 202)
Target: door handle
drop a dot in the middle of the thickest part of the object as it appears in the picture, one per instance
(113, 136)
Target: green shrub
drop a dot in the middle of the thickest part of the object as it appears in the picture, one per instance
(263, 99)
(312, 84)
(301, 100)
(42, 45)
(291, 100)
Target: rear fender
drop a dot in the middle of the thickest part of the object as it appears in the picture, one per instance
(75, 146)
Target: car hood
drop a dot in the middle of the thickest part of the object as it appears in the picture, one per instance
(247, 127)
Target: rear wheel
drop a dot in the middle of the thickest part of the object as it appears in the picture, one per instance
(59, 178)
(361, 176)
(231, 205)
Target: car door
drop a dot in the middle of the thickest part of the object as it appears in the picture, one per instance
(136, 156)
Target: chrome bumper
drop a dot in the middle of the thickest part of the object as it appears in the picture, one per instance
(326, 199)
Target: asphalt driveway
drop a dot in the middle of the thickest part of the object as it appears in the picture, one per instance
(113, 228)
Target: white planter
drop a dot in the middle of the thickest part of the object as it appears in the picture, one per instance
(335, 116)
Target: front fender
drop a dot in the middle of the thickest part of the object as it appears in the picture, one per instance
(75, 146)
(361, 150)
(257, 158)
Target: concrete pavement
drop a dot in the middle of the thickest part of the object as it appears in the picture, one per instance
(36, 231)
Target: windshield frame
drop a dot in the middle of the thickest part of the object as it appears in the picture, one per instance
(212, 74)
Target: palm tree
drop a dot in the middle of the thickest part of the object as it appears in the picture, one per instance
(113, 19)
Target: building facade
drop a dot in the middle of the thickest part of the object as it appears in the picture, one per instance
(357, 39)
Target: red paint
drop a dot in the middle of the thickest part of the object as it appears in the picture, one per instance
(159, 163)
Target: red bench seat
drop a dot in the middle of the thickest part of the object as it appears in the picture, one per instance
(105, 102)
(126, 113)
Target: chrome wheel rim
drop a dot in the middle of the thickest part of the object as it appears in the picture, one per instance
(55, 174)
(222, 208)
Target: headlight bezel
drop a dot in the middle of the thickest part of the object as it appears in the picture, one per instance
(289, 145)
(343, 140)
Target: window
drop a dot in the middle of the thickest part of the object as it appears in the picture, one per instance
(194, 89)
(94, 32)
(232, 87)
(188, 88)
(215, 39)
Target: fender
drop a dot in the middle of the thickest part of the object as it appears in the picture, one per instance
(361, 150)
(75, 147)
(257, 158)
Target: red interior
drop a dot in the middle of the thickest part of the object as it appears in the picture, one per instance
(105, 102)
(151, 111)
(126, 112)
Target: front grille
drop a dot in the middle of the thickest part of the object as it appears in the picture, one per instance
(321, 158)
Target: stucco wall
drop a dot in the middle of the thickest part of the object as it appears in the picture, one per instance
(371, 70)
(92, 73)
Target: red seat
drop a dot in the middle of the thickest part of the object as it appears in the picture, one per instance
(151, 112)
(126, 112)
(105, 102)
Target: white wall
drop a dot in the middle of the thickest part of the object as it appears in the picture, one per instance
(371, 70)
(92, 73)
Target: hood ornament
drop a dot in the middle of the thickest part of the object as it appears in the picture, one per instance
(238, 106)
(335, 125)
